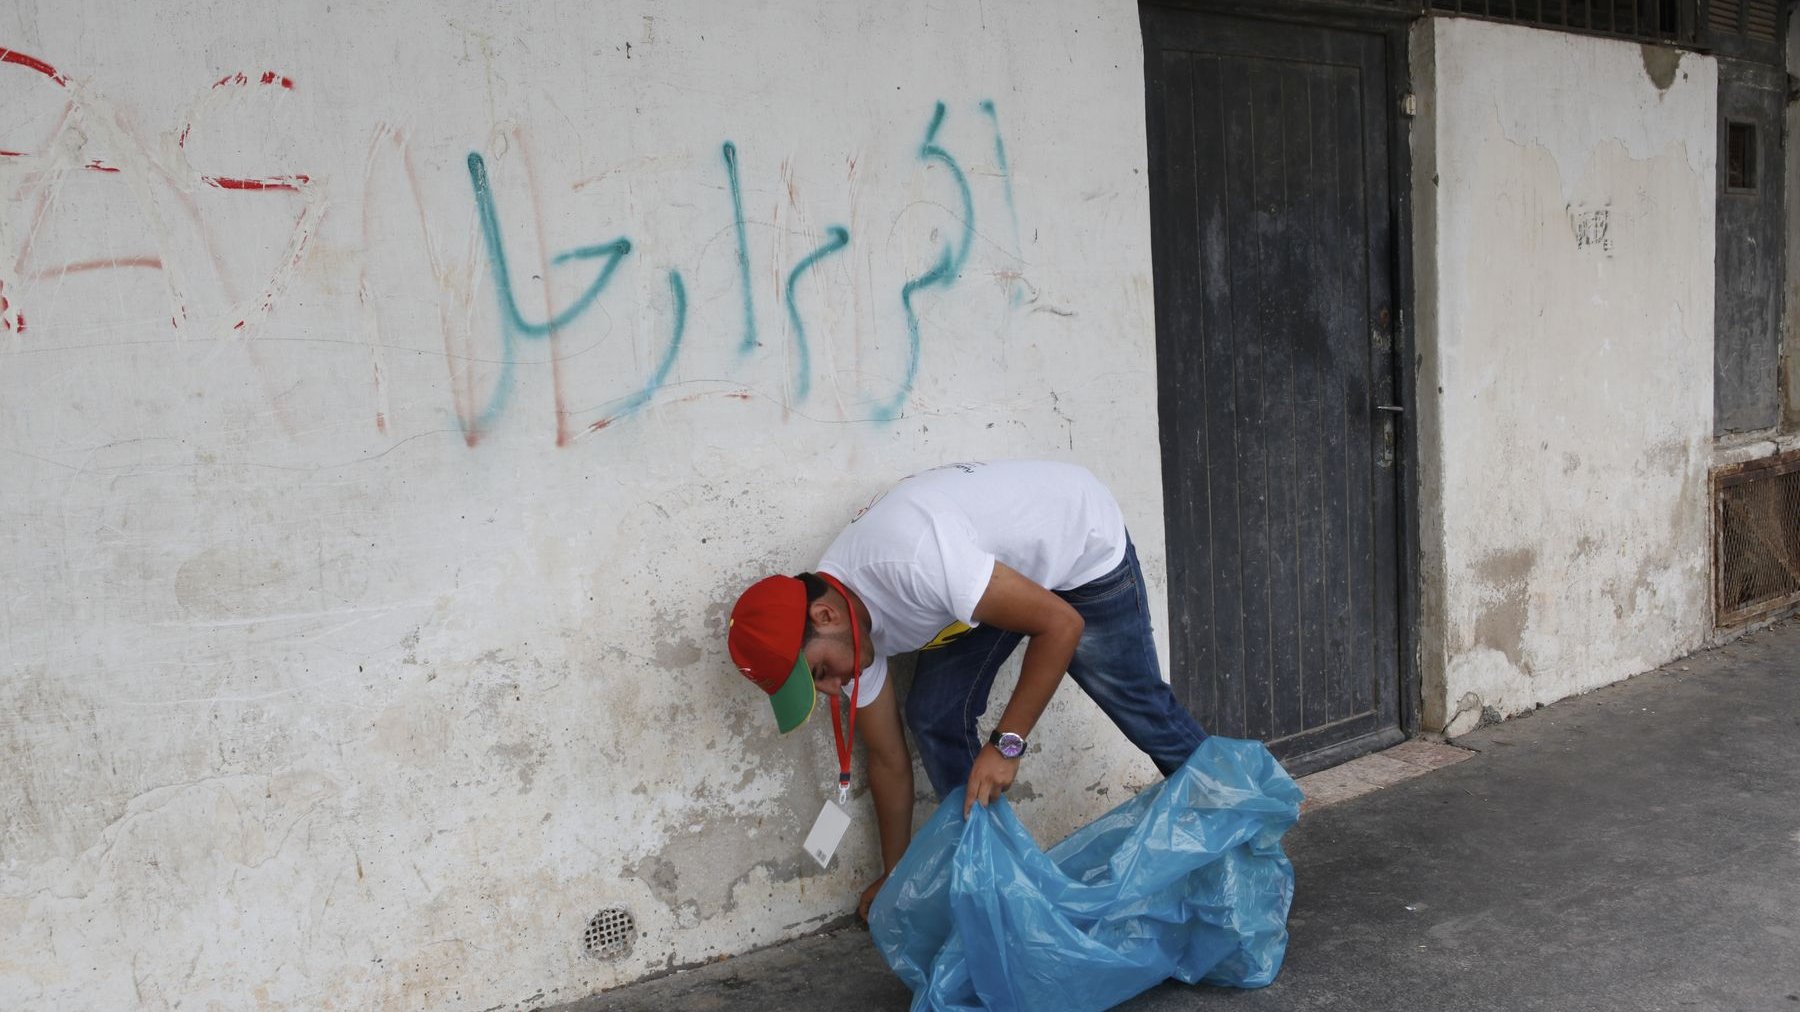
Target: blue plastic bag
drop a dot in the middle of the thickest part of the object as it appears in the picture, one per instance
(1185, 880)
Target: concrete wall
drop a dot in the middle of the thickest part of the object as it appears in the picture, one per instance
(393, 399)
(1564, 193)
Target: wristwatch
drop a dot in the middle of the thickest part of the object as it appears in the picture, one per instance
(1011, 746)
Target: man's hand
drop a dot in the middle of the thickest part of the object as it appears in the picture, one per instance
(992, 775)
(868, 897)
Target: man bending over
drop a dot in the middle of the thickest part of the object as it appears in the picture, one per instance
(960, 563)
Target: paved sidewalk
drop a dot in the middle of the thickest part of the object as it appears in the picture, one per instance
(1637, 848)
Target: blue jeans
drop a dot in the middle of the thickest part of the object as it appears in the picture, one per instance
(1115, 664)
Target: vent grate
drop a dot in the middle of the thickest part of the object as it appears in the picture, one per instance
(1756, 566)
(610, 933)
(1644, 20)
(1743, 29)
(1761, 18)
(1758, 20)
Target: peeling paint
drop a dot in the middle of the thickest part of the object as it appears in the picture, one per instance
(1506, 581)
(692, 872)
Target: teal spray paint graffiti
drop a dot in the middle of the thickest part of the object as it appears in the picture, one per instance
(678, 300)
(513, 324)
(839, 237)
(743, 247)
(946, 267)
(942, 274)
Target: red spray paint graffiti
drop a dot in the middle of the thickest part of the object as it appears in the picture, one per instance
(43, 187)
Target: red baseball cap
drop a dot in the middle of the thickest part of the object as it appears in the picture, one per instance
(767, 624)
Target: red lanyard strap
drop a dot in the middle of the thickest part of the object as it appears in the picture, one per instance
(845, 742)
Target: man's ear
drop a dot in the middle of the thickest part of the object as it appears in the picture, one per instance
(822, 613)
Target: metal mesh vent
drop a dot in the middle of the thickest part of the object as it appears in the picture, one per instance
(610, 933)
(1744, 29)
(1756, 566)
(1646, 20)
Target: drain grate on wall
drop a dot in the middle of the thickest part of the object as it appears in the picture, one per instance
(610, 933)
(1756, 544)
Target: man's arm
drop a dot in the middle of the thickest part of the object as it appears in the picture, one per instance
(890, 780)
(1014, 603)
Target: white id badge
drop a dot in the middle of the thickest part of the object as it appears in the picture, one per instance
(826, 833)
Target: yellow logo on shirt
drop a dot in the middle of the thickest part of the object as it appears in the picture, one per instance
(948, 635)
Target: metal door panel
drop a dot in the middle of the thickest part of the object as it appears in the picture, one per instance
(1272, 238)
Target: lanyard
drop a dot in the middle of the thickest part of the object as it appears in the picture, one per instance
(846, 740)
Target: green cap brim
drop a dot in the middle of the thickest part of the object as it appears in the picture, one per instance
(794, 701)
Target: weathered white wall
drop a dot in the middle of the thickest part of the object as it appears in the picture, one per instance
(361, 640)
(1564, 188)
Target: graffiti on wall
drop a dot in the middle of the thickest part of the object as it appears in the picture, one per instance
(157, 176)
(39, 189)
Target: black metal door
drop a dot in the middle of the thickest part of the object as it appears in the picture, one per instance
(1272, 231)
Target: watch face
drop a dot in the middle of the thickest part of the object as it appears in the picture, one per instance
(1010, 745)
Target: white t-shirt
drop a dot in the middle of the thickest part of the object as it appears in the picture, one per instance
(921, 554)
